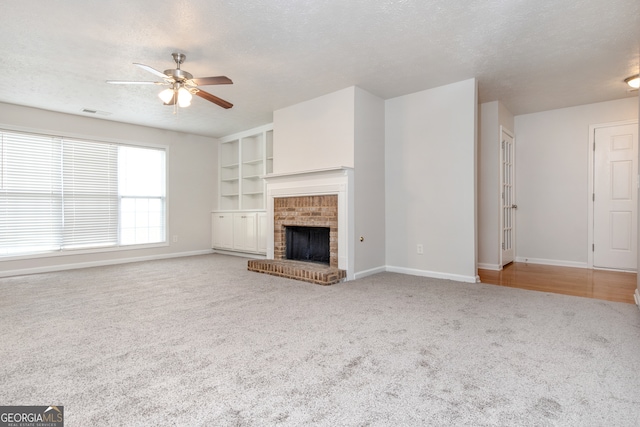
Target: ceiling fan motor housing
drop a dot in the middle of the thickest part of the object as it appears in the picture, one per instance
(178, 75)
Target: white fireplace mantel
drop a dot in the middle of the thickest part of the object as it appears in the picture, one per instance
(334, 181)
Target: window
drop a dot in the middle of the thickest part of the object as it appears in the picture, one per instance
(60, 194)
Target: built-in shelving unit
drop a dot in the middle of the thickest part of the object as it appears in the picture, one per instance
(229, 174)
(245, 159)
(239, 223)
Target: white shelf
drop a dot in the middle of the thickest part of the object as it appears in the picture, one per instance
(253, 162)
(244, 159)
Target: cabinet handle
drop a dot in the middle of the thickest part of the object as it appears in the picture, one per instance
(221, 216)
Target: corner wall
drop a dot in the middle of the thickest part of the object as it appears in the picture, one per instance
(369, 194)
(552, 164)
(430, 182)
(191, 185)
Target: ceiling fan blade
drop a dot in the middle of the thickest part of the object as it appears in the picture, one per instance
(151, 70)
(212, 98)
(122, 82)
(218, 80)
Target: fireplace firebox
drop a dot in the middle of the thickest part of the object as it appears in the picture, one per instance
(307, 244)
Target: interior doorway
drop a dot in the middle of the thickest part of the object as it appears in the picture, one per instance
(507, 197)
(614, 192)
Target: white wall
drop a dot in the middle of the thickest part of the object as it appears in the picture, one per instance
(191, 186)
(637, 293)
(315, 134)
(552, 180)
(369, 183)
(491, 116)
(430, 153)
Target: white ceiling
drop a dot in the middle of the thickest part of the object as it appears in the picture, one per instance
(532, 55)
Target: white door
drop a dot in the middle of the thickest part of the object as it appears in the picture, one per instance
(615, 172)
(508, 206)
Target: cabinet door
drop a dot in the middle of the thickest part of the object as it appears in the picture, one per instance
(262, 232)
(222, 230)
(245, 232)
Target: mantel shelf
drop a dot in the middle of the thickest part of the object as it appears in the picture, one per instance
(337, 170)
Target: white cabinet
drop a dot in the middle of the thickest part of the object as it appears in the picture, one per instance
(222, 230)
(239, 231)
(244, 159)
(245, 231)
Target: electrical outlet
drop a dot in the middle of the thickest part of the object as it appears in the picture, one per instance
(420, 249)
(175, 238)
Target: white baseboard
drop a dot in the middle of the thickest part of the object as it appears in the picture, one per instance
(433, 274)
(558, 263)
(240, 254)
(73, 266)
(494, 267)
(370, 272)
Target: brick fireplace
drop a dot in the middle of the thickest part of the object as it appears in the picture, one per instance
(319, 198)
(308, 211)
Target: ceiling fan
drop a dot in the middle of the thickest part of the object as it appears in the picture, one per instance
(182, 85)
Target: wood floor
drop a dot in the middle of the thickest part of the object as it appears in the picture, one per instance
(598, 284)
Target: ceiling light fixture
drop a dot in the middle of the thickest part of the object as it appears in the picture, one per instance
(633, 81)
(166, 95)
(177, 92)
(184, 97)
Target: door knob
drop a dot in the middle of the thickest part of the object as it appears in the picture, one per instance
(514, 206)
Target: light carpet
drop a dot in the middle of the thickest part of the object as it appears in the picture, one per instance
(202, 341)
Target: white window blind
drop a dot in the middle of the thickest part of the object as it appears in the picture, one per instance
(59, 194)
(90, 194)
(30, 193)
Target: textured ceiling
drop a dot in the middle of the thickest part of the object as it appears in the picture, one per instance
(532, 55)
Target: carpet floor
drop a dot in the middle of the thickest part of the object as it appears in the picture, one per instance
(201, 341)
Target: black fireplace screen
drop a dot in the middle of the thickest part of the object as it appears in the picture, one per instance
(307, 244)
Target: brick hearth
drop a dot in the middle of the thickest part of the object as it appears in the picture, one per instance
(306, 271)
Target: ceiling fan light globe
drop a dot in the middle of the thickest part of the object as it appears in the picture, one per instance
(633, 81)
(166, 95)
(184, 97)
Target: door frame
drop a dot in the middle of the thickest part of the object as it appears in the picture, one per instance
(513, 186)
(592, 149)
